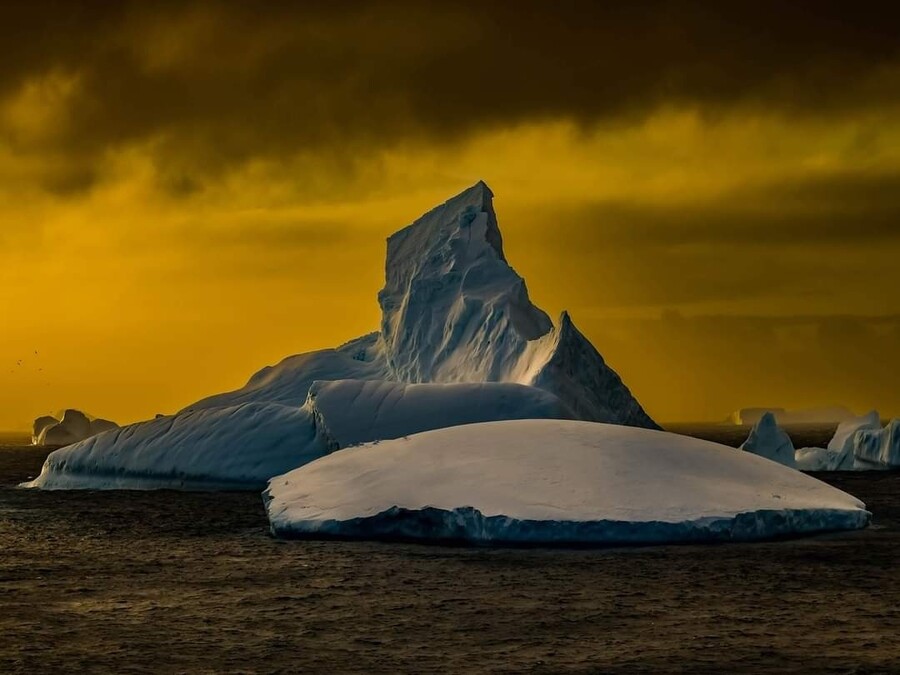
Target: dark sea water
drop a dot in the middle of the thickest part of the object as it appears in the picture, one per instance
(191, 582)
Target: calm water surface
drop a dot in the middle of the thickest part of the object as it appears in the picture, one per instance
(189, 582)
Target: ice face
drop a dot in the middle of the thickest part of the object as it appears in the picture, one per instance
(454, 310)
(879, 447)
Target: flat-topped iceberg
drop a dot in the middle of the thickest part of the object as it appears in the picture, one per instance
(459, 342)
(553, 482)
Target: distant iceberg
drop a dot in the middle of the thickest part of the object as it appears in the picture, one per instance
(769, 440)
(542, 482)
(459, 342)
(827, 415)
(68, 427)
(859, 444)
(878, 447)
(843, 437)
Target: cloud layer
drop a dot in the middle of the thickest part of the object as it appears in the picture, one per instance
(214, 181)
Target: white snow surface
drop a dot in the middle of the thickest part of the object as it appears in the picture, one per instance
(553, 482)
(453, 312)
(238, 447)
(768, 440)
(242, 446)
(350, 412)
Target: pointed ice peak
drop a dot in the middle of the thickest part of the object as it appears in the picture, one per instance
(769, 440)
(469, 216)
(767, 422)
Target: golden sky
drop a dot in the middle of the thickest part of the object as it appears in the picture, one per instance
(190, 191)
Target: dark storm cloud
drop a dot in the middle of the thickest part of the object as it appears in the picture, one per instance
(290, 237)
(838, 208)
(218, 83)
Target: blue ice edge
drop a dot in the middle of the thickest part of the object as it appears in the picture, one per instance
(468, 526)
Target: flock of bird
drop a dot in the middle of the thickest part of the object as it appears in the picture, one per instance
(22, 366)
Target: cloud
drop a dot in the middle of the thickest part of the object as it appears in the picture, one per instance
(221, 83)
(844, 207)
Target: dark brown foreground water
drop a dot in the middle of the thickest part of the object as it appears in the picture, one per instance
(189, 582)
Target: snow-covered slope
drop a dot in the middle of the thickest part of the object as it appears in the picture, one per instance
(768, 440)
(288, 382)
(242, 446)
(238, 447)
(453, 312)
(553, 482)
(356, 411)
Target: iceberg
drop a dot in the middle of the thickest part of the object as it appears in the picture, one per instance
(553, 482)
(823, 459)
(233, 448)
(40, 425)
(240, 447)
(859, 444)
(351, 412)
(842, 441)
(878, 448)
(768, 440)
(68, 427)
(459, 342)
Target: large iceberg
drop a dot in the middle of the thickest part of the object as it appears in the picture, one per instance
(67, 427)
(232, 448)
(553, 482)
(768, 440)
(240, 447)
(454, 313)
